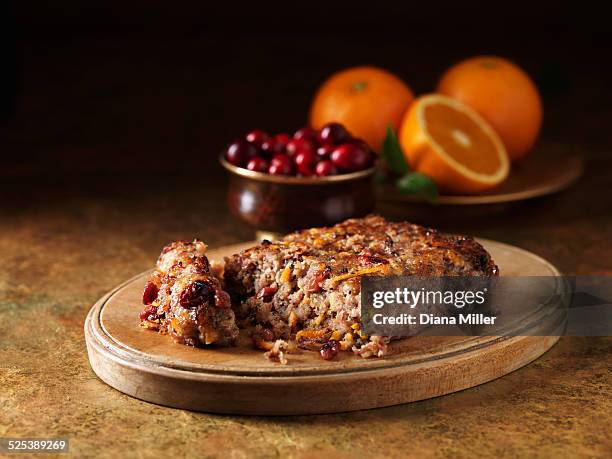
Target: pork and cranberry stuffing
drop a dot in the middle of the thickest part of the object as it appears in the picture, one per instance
(302, 290)
(306, 287)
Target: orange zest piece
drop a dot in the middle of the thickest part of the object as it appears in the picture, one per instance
(311, 334)
(361, 272)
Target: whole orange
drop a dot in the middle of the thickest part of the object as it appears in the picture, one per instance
(365, 100)
(503, 94)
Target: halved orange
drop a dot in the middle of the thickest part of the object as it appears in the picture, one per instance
(453, 145)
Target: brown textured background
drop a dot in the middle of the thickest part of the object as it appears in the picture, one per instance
(112, 118)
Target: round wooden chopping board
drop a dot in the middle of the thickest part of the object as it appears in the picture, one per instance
(240, 380)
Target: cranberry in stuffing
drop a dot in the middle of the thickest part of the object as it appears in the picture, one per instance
(267, 334)
(197, 293)
(330, 349)
(314, 285)
(222, 299)
(149, 295)
(267, 293)
(149, 313)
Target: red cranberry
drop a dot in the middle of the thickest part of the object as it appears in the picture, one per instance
(361, 144)
(267, 334)
(330, 349)
(350, 158)
(257, 137)
(276, 144)
(149, 295)
(281, 165)
(282, 140)
(222, 299)
(149, 313)
(258, 164)
(314, 285)
(325, 151)
(239, 152)
(196, 294)
(334, 134)
(325, 168)
(306, 133)
(270, 147)
(295, 146)
(305, 162)
(267, 293)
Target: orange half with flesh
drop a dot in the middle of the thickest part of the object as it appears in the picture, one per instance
(453, 145)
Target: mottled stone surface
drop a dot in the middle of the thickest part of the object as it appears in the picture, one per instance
(62, 245)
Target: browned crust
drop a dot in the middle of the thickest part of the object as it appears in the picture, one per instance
(406, 248)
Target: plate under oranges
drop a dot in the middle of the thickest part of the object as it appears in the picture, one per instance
(453, 145)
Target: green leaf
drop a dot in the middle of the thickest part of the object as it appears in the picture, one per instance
(417, 184)
(392, 153)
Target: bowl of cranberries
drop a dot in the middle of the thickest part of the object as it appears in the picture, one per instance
(285, 182)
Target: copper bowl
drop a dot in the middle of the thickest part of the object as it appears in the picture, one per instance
(279, 204)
